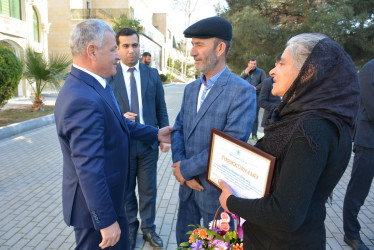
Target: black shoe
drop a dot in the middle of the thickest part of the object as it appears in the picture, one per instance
(132, 239)
(355, 244)
(153, 239)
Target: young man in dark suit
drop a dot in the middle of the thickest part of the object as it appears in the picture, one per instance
(94, 139)
(140, 94)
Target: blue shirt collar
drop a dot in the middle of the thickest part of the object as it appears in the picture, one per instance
(213, 79)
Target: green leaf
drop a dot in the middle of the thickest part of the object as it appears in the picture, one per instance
(184, 244)
(41, 72)
(211, 233)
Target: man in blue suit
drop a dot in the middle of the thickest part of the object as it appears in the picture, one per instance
(140, 95)
(94, 139)
(220, 100)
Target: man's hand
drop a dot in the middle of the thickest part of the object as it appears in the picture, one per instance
(226, 192)
(165, 147)
(194, 184)
(164, 134)
(111, 235)
(246, 71)
(177, 173)
(130, 116)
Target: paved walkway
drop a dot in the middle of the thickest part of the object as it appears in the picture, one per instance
(30, 194)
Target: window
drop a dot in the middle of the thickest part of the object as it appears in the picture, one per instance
(36, 26)
(11, 8)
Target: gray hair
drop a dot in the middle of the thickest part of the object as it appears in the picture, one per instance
(88, 32)
(301, 46)
(226, 42)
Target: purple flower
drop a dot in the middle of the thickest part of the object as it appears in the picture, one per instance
(214, 243)
(221, 245)
(198, 245)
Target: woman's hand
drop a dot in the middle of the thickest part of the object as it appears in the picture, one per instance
(226, 192)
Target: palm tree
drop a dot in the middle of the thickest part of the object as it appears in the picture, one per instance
(41, 72)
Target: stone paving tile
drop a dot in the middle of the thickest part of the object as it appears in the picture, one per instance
(30, 191)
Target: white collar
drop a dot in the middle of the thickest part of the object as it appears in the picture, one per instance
(125, 68)
(97, 77)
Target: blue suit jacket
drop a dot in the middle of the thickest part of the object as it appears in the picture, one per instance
(364, 129)
(153, 100)
(94, 139)
(229, 107)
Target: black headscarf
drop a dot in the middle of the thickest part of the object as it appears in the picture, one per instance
(327, 86)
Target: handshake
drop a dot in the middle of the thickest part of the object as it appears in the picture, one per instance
(164, 138)
(163, 133)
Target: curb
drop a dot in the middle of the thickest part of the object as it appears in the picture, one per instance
(21, 127)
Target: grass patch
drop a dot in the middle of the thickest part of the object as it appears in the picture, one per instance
(10, 116)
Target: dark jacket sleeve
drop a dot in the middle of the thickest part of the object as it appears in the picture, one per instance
(264, 97)
(262, 80)
(366, 76)
(243, 75)
(161, 111)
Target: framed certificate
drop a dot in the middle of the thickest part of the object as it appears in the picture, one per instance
(246, 169)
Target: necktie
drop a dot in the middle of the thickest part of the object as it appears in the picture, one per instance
(134, 95)
(110, 92)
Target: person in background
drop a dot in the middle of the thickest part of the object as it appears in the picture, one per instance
(218, 99)
(94, 139)
(140, 95)
(266, 99)
(363, 165)
(310, 136)
(255, 76)
(147, 58)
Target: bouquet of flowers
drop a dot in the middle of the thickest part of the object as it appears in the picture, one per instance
(218, 236)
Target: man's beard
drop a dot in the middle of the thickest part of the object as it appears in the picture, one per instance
(209, 64)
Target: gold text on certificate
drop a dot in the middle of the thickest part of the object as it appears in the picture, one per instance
(238, 166)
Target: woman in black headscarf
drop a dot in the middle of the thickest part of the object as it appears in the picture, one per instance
(309, 133)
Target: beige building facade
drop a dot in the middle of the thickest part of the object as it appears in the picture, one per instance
(24, 23)
(156, 38)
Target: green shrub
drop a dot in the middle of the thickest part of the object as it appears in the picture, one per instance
(163, 77)
(10, 74)
(170, 76)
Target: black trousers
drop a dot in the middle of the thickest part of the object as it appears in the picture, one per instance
(255, 124)
(358, 189)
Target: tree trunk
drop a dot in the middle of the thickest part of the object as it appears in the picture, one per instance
(38, 103)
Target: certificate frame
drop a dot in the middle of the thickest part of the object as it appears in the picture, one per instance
(256, 184)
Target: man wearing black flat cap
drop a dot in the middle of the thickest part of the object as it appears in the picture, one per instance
(220, 100)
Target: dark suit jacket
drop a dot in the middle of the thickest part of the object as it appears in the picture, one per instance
(230, 107)
(94, 140)
(154, 107)
(267, 100)
(364, 130)
(255, 78)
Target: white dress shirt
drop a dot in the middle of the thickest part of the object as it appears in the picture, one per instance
(97, 77)
(126, 77)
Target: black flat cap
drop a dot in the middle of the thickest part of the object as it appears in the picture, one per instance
(210, 27)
